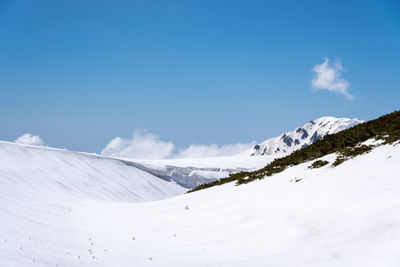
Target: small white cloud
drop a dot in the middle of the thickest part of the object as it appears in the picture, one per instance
(145, 145)
(328, 77)
(213, 150)
(142, 145)
(30, 139)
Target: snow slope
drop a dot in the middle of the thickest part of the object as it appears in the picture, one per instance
(343, 216)
(301, 136)
(41, 170)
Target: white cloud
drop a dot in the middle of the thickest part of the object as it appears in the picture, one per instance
(145, 145)
(30, 139)
(328, 77)
(142, 145)
(213, 150)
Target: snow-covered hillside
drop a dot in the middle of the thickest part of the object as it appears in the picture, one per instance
(43, 171)
(301, 136)
(343, 216)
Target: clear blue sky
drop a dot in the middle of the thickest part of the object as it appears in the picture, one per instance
(78, 73)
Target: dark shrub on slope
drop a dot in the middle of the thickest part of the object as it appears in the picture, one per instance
(318, 164)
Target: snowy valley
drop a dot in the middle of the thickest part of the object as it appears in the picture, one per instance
(63, 208)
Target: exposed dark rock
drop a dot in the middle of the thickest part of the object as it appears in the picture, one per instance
(315, 137)
(305, 135)
(302, 130)
(325, 124)
(287, 140)
(265, 151)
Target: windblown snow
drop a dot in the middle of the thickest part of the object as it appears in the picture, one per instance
(301, 137)
(59, 208)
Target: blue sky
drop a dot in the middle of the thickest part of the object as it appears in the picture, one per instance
(79, 73)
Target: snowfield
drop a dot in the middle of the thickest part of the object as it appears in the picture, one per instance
(192, 172)
(59, 208)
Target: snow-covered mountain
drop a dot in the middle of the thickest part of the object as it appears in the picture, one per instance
(301, 136)
(60, 208)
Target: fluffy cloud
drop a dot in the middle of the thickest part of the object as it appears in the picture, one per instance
(30, 139)
(213, 150)
(142, 145)
(145, 145)
(328, 77)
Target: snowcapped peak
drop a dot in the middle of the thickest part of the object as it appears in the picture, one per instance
(301, 136)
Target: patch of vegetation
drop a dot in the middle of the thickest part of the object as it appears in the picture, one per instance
(355, 151)
(346, 143)
(351, 152)
(318, 164)
(339, 160)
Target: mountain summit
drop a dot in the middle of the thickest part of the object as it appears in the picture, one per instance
(301, 136)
